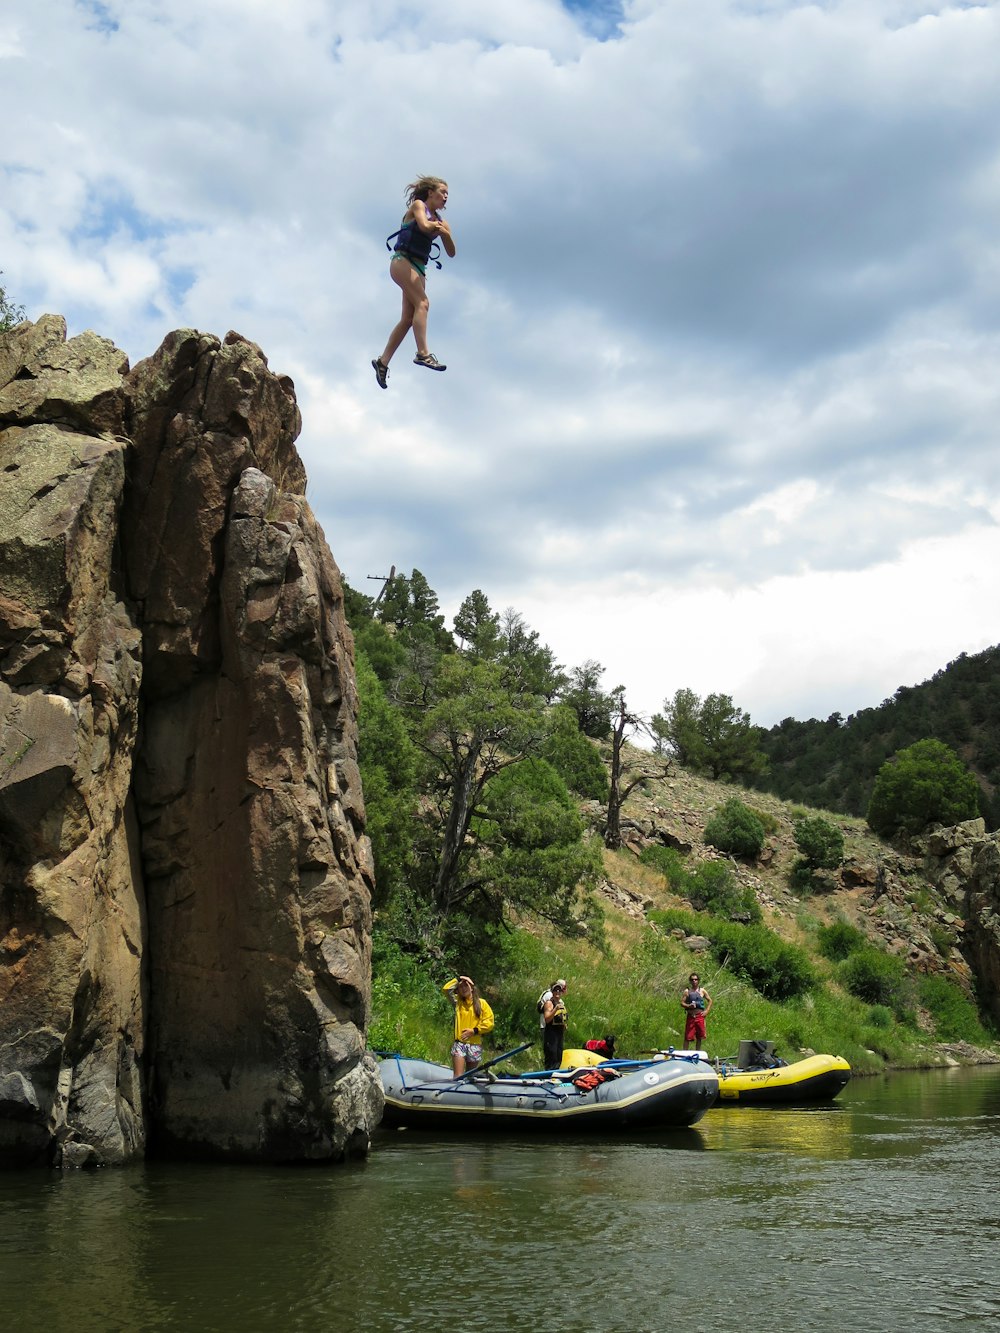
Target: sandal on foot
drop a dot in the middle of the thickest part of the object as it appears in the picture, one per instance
(430, 361)
(381, 373)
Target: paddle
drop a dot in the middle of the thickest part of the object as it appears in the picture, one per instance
(471, 1073)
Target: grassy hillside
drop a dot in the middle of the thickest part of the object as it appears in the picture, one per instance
(631, 986)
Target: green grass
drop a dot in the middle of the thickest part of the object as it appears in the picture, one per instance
(636, 995)
(633, 987)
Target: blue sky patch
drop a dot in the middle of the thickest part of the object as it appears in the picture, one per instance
(110, 212)
(599, 17)
(100, 16)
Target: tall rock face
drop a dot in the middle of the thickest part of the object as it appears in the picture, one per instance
(185, 881)
(964, 862)
(71, 903)
(983, 926)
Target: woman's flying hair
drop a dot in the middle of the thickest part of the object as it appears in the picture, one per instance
(421, 188)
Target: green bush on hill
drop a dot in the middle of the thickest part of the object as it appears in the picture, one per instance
(734, 828)
(713, 887)
(775, 969)
(838, 940)
(877, 977)
(820, 842)
(669, 862)
(955, 1016)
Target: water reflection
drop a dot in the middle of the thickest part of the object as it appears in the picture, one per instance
(878, 1211)
(819, 1131)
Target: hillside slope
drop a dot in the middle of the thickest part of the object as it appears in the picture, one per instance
(901, 903)
(833, 763)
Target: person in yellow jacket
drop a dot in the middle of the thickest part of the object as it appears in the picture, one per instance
(473, 1019)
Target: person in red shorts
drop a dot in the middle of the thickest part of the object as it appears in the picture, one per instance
(697, 1005)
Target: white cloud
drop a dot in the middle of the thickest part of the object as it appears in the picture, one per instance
(722, 331)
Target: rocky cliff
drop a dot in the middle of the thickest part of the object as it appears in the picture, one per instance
(964, 862)
(184, 876)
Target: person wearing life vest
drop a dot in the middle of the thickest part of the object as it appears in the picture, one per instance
(553, 1018)
(422, 226)
(697, 1005)
(473, 1019)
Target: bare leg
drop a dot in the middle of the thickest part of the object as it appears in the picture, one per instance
(458, 1065)
(414, 313)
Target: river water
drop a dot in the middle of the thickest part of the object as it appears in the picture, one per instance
(880, 1211)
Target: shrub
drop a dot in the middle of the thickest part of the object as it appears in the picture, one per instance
(770, 823)
(669, 862)
(713, 887)
(877, 978)
(943, 939)
(10, 314)
(777, 970)
(734, 828)
(924, 784)
(879, 1016)
(676, 918)
(839, 940)
(820, 842)
(955, 1016)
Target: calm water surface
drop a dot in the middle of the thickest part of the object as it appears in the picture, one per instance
(879, 1212)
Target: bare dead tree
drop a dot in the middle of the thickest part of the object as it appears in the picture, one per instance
(626, 775)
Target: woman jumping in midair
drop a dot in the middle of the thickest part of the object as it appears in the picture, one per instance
(422, 226)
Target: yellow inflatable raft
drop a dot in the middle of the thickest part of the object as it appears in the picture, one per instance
(817, 1078)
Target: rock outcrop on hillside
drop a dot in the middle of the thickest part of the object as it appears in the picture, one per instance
(184, 876)
(964, 862)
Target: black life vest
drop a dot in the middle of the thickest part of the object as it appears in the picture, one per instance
(414, 244)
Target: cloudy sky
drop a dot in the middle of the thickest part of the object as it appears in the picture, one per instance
(723, 331)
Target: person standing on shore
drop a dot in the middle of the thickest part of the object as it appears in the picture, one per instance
(473, 1019)
(697, 1005)
(553, 1023)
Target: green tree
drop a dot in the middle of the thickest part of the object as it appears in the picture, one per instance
(710, 736)
(574, 757)
(583, 693)
(477, 626)
(731, 741)
(924, 784)
(10, 315)
(530, 849)
(388, 763)
(677, 729)
(411, 605)
(529, 666)
(476, 728)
